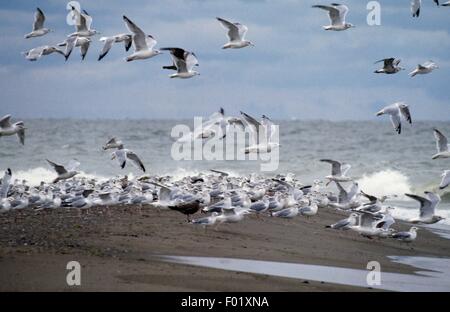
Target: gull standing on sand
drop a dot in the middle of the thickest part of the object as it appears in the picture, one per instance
(143, 43)
(406, 237)
(395, 111)
(441, 145)
(38, 25)
(427, 208)
(236, 35)
(6, 128)
(445, 179)
(390, 66)
(63, 173)
(109, 41)
(338, 171)
(337, 14)
(183, 62)
(345, 224)
(423, 69)
(83, 22)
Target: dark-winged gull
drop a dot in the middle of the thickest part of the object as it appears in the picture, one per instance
(143, 44)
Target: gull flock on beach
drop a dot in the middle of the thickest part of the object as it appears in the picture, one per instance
(223, 197)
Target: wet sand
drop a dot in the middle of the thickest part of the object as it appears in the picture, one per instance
(118, 248)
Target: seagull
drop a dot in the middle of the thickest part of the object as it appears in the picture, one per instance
(446, 3)
(83, 22)
(441, 145)
(183, 61)
(347, 199)
(38, 25)
(6, 128)
(337, 14)
(345, 224)
(188, 208)
(82, 42)
(5, 184)
(445, 179)
(427, 208)
(113, 143)
(415, 7)
(338, 171)
(390, 66)
(395, 111)
(262, 134)
(408, 236)
(236, 35)
(127, 39)
(206, 221)
(368, 225)
(310, 210)
(123, 154)
(143, 44)
(63, 173)
(36, 53)
(287, 213)
(423, 69)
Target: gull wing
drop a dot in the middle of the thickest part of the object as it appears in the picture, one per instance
(139, 38)
(445, 179)
(242, 30)
(336, 13)
(426, 207)
(39, 19)
(4, 186)
(233, 30)
(108, 43)
(58, 168)
(253, 125)
(396, 122)
(136, 160)
(191, 61)
(5, 121)
(335, 166)
(404, 110)
(441, 141)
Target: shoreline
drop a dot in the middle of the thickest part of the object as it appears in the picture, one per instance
(116, 247)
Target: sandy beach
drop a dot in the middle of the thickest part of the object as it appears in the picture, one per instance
(118, 250)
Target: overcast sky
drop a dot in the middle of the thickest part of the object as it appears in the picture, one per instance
(296, 70)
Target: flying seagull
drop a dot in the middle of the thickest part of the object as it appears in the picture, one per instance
(83, 22)
(109, 41)
(123, 154)
(390, 66)
(262, 134)
(82, 42)
(7, 128)
(63, 173)
(395, 111)
(423, 69)
(338, 171)
(416, 6)
(36, 53)
(441, 145)
(38, 25)
(143, 44)
(236, 35)
(113, 143)
(427, 208)
(336, 13)
(184, 61)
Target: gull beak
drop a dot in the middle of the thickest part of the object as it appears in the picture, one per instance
(379, 113)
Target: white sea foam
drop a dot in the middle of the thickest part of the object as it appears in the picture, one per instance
(386, 182)
(36, 175)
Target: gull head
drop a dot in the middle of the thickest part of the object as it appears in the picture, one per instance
(249, 43)
(414, 229)
(349, 25)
